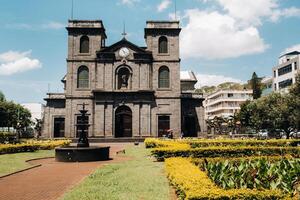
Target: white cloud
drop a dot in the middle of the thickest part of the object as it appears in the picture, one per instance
(128, 2)
(177, 17)
(163, 5)
(53, 25)
(13, 62)
(210, 80)
(287, 12)
(213, 35)
(295, 47)
(252, 12)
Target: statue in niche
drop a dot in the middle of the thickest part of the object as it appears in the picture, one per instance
(124, 81)
(123, 78)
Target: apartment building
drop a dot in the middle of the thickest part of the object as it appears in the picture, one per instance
(225, 103)
(284, 74)
(267, 86)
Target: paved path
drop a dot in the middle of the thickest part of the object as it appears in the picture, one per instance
(52, 179)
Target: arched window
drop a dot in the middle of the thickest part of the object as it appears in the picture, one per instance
(163, 45)
(83, 77)
(164, 77)
(84, 44)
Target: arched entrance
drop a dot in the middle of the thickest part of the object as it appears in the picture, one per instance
(123, 122)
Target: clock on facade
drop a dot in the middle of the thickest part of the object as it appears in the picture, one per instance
(124, 52)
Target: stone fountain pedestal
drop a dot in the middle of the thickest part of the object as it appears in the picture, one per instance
(83, 152)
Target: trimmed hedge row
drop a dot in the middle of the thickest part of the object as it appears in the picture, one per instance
(154, 142)
(32, 145)
(193, 184)
(166, 152)
(247, 142)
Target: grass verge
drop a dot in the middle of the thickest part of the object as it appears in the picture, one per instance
(136, 179)
(10, 163)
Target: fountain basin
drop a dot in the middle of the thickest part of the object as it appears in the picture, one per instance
(81, 154)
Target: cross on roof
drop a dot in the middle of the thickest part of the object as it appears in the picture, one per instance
(124, 32)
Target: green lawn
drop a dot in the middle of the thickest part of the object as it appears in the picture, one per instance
(13, 162)
(139, 178)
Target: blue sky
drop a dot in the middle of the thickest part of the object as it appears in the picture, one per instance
(221, 40)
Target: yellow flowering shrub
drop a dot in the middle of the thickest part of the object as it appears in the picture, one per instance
(155, 143)
(193, 184)
(32, 145)
(242, 142)
(48, 144)
(195, 143)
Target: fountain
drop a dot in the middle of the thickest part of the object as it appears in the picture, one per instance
(83, 152)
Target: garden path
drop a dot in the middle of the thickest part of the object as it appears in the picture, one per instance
(52, 179)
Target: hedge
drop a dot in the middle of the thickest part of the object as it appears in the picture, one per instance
(32, 145)
(193, 184)
(154, 142)
(240, 142)
(166, 152)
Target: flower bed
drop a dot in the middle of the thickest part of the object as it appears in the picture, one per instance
(260, 173)
(32, 145)
(193, 184)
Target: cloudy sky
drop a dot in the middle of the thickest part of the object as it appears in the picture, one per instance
(221, 40)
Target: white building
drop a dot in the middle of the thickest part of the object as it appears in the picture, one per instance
(268, 82)
(225, 103)
(36, 110)
(284, 74)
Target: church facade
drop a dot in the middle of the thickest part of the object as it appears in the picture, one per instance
(128, 90)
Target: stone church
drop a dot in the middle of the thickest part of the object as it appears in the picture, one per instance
(128, 90)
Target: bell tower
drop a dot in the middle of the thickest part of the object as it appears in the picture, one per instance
(162, 38)
(85, 37)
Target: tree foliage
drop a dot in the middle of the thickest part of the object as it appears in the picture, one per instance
(275, 112)
(14, 115)
(255, 83)
(224, 125)
(2, 97)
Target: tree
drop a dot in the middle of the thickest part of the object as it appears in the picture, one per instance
(255, 83)
(293, 100)
(275, 112)
(14, 115)
(38, 126)
(2, 97)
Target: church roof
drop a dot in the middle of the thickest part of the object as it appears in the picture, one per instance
(124, 42)
(187, 76)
